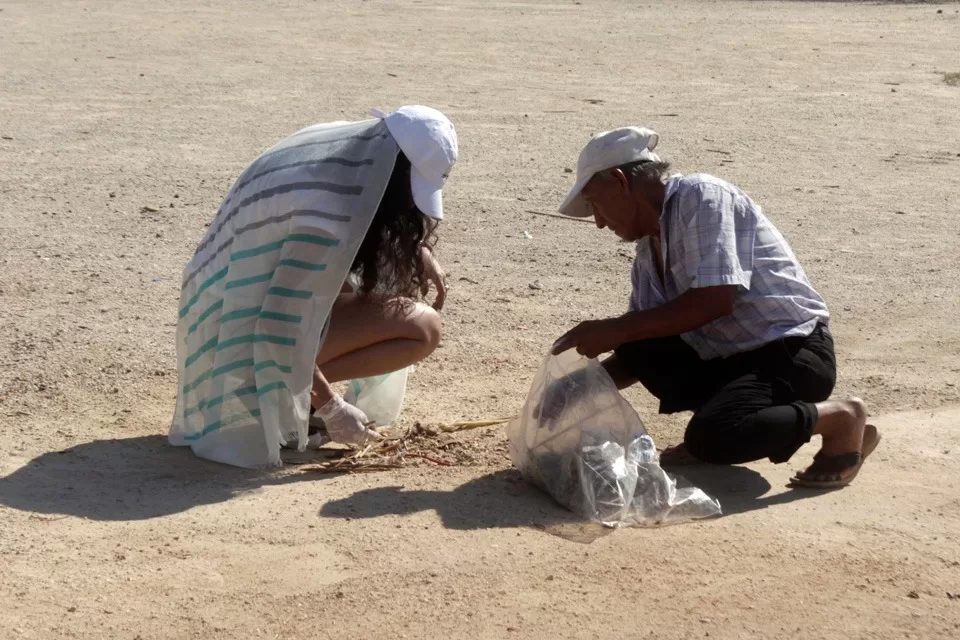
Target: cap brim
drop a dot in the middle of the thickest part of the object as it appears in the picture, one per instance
(426, 195)
(575, 206)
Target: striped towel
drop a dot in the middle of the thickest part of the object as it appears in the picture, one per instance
(258, 291)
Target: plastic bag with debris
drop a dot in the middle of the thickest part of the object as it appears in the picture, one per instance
(580, 441)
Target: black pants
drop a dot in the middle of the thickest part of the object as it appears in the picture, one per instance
(753, 405)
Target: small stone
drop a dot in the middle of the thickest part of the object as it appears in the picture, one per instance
(113, 194)
(71, 609)
(914, 595)
(536, 286)
(567, 170)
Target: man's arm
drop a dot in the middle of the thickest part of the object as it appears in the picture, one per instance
(691, 310)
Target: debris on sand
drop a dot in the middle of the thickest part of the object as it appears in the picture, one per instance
(418, 442)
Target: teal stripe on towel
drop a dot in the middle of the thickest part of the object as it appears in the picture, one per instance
(257, 337)
(219, 275)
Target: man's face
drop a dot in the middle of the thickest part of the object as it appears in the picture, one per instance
(614, 206)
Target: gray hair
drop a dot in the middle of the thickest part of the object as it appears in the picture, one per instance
(642, 171)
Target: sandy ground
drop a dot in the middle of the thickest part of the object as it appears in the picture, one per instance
(835, 117)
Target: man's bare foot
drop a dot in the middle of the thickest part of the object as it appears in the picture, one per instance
(847, 441)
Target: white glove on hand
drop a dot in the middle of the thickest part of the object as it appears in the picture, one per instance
(345, 423)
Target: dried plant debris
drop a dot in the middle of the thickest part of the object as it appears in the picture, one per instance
(417, 444)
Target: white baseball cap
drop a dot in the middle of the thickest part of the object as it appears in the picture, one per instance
(429, 141)
(605, 151)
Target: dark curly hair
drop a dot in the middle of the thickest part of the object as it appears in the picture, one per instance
(388, 261)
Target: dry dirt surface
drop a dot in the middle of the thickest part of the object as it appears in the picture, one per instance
(123, 123)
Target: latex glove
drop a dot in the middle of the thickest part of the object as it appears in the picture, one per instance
(345, 423)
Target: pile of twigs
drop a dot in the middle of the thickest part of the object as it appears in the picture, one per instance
(394, 452)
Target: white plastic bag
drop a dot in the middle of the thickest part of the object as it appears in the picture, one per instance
(379, 397)
(580, 441)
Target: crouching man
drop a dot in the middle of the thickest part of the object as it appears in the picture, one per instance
(723, 321)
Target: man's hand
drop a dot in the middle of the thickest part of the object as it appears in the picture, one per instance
(591, 338)
(434, 274)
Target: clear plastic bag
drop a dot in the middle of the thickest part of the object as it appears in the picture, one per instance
(580, 441)
(379, 397)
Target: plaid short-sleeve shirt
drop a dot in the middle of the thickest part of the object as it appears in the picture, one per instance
(713, 234)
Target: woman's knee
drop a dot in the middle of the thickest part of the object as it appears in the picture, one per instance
(428, 328)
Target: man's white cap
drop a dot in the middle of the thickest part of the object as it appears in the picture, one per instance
(429, 141)
(605, 151)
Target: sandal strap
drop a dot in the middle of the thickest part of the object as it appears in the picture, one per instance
(834, 464)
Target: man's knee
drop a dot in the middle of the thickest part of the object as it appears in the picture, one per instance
(701, 444)
(708, 440)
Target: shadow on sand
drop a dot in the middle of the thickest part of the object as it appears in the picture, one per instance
(144, 477)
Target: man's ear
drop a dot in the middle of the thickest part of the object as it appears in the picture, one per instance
(621, 178)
